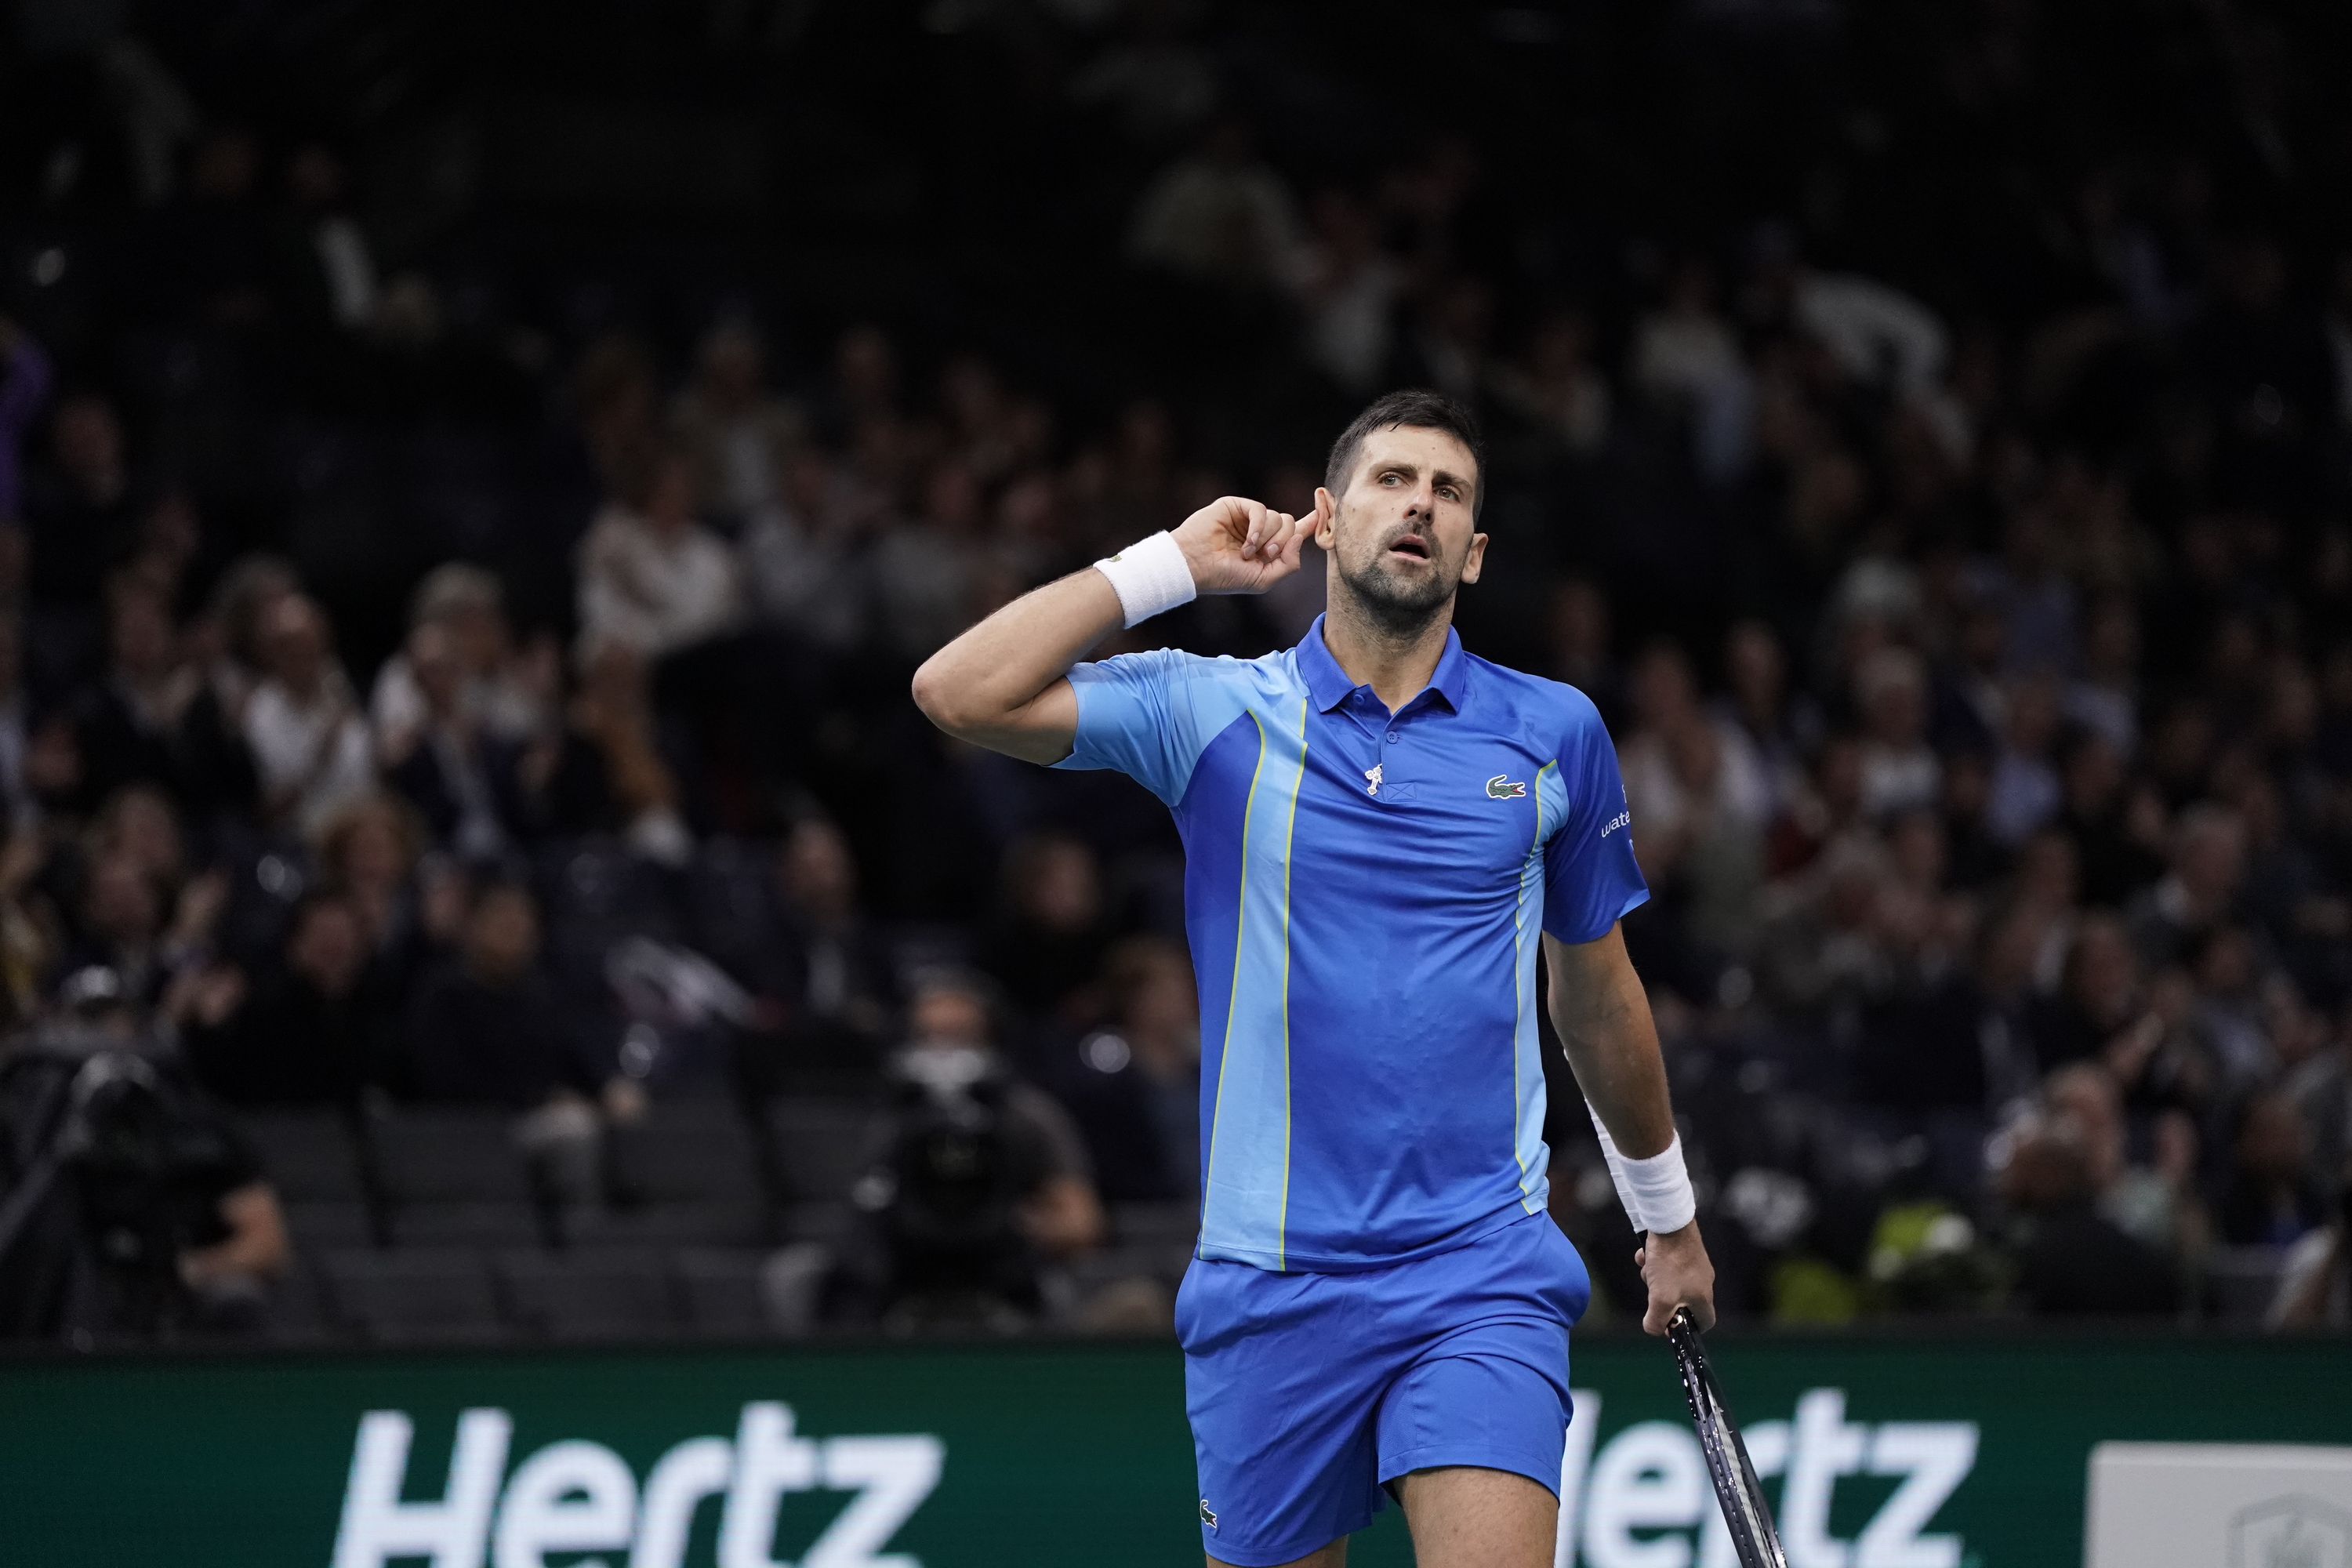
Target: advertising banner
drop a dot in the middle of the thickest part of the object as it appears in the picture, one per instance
(1970, 1452)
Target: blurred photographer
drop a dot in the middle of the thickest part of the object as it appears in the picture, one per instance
(128, 1206)
(982, 1184)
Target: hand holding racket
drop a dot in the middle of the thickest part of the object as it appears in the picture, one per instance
(1736, 1487)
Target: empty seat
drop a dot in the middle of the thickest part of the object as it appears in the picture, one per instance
(495, 1223)
(2242, 1281)
(415, 1294)
(443, 1154)
(307, 1153)
(718, 1222)
(683, 1151)
(719, 1290)
(589, 1293)
(318, 1224)
(822, 1146)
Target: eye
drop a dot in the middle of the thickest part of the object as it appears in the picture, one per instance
(1391, 478)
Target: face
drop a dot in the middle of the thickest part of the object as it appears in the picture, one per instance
(817, 869)
(1402, 538)
(327, 948)
(374, 852)
(948, 1016)
(123, 903)
(503, 937)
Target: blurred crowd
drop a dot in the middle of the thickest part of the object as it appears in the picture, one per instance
(1981, 675)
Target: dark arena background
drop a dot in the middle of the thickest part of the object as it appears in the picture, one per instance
(492, 959)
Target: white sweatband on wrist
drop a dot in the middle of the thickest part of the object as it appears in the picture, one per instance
(1656, 1192)
(1150, 577)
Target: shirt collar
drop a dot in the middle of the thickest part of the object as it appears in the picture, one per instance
(1330, 685)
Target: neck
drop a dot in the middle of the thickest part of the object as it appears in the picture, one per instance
(1395, 661)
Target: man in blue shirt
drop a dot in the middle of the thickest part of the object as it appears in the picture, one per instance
(1382, 832)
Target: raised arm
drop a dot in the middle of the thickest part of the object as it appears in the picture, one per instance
(1603, 1017)
(1003, 684)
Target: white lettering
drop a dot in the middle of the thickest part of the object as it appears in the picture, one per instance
(377, 1526)
(1573, 1462)
(1650, 1476)
(1823, 1445)
(1935, 1457)
(696, 1468)
(541, 1514)
(769, 1462)
(1768, 1455)
(891, 1476)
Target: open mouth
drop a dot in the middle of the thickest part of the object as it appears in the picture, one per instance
(1411, 544)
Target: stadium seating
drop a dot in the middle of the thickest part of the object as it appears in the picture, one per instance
(588, 1293)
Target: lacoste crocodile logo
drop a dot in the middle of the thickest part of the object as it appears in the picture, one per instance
(1207, 1517)
(1500, 788)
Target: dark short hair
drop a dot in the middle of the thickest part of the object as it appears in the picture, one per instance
(1418, 409)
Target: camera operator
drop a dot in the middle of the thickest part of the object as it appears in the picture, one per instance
(128, 1206)
(982, 1181)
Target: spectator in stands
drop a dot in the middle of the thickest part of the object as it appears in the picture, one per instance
(604, 773)
(847, 991)
(488, 1025)
(126, 724)
(120, 921)
(1349, 286)
(2073, 1261)
(801, 555)
(1047, 942)
(2271, 1199)
(309, 740)
(17, 794)
(510, 693)
(652, 578)
(372, 851)
(24, 387)
(2200, 892)
(1899, 770)
(1558, 391)
(459, 778)
(310, 1032)
(740, 432)
(1686, 359)
(1135, 1085)
(1220, 215)
(81, 512)
(926, 569)
(2026, 791)
(2157, 1204)
(2117, 825)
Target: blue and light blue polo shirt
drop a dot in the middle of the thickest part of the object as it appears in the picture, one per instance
(1363, 893)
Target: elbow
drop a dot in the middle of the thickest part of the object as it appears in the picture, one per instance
(937, 697)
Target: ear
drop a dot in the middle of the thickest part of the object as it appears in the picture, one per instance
(1327, 517)
(1476, 559)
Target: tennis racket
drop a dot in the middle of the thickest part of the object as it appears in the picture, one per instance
(1736, 1487)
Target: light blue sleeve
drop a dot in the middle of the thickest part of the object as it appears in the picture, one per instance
(1590, 880)
(1150, 715)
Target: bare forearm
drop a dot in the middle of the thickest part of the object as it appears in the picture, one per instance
(1603, 1018)
(988, 685)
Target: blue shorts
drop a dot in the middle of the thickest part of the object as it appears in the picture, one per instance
(1309, 1392)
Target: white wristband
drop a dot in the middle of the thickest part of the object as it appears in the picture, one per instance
(1656, 1192)
(1150, 577)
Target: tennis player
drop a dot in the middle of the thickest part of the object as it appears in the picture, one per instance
(1381, 830)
